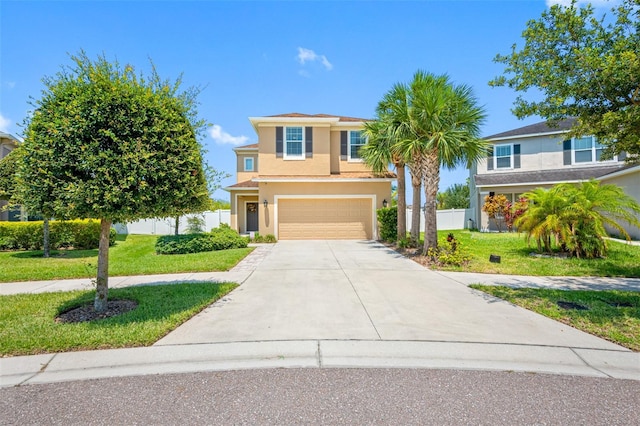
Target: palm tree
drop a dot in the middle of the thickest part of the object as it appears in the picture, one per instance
(444, 123)
(576, 216)
(381, 150)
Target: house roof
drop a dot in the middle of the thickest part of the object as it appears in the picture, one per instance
(333, 176)
(250, 146)
(541, 128)
(300, 115)
(245, 184)
(547, 176)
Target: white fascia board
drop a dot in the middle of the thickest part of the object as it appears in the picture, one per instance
(531, 135)
(357, 124)
(245, 149)
(324, 180)
(620, 173)
(229, 189)
(279, 121)
(552, 182)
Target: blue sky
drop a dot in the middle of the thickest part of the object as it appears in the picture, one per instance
(257, 58)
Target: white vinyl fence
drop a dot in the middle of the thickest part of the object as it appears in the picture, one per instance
(446, 219)
(166, 226)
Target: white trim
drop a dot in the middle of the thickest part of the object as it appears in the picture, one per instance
(296, 157)
(229, 189)
(246, 149)
(372, 197)
(253, 161)
(323, 180)
(349, 159)
(495, 156)
(594, 150)
(530, 135)
(620, 173)
(551, 182)
(245, 214)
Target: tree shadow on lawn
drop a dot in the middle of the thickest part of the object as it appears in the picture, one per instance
(55, 254)
(151, 304)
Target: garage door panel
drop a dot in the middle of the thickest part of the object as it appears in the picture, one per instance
(325, 219)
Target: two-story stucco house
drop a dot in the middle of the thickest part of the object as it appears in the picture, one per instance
(541, 156)
(304, 179)
(7, 144)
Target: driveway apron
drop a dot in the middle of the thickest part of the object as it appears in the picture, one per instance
(362, 290)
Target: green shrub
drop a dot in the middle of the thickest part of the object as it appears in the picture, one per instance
(269, 238)
(222, 238)
(448, 252)
(388, 219)
(79, 234)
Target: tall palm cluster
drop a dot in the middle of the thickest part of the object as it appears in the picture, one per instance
(573, 218)
(423, 125)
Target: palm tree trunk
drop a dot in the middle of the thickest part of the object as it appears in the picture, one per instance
(102, 281)
(402, 202)
(415, 210)
(431, 183)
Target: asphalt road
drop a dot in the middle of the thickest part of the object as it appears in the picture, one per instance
(327, 396)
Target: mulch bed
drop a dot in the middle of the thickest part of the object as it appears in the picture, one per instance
(88, 313)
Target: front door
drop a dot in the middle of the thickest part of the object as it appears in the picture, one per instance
(252, 217)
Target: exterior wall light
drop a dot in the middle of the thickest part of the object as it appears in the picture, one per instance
(265, 203)
(384, 203)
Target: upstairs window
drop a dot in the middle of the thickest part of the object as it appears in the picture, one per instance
(356, 141)
(503, 155)
(294, 143)
(586, 150)
(248, 164)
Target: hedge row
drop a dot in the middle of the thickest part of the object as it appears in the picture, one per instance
(222, 238)
(79, 234)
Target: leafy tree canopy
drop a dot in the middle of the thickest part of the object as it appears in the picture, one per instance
(8, 168)
(454, 197)
(586, 67)
(104, 142)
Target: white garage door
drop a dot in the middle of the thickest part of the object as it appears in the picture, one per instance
(325, 219)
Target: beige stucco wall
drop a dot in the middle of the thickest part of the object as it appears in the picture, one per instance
(318, 165)
(269, 190)
(337, 164)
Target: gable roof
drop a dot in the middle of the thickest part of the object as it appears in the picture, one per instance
(247, 147)
(542, 128)
(300, 115)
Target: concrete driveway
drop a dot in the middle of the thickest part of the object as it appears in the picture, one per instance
(361, 290)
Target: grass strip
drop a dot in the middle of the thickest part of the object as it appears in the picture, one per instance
(27, 321)
(132, 255)
(611, 314)
(623, 260)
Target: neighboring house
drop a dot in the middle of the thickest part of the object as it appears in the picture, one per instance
(541, 156)
(7, 144)
(304, 179)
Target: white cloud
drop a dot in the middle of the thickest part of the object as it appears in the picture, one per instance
(222, 137)
(308, 55)
(11, 84)
(4, 123)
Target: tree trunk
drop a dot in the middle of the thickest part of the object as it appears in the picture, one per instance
(177, 226)
(431, 183)
(45, 242)
(102, 282)
(415, 211)
(402, 202)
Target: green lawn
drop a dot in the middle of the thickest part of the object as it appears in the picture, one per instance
(27, 321)
(132, 255)
(623, 260)
(612, 315)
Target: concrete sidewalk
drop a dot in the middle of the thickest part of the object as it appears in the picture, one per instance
(342, 304)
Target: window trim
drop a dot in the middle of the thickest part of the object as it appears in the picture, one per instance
(249, 169)
(285, 153)
(362, 138)
(495, 156)
(594, 152)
